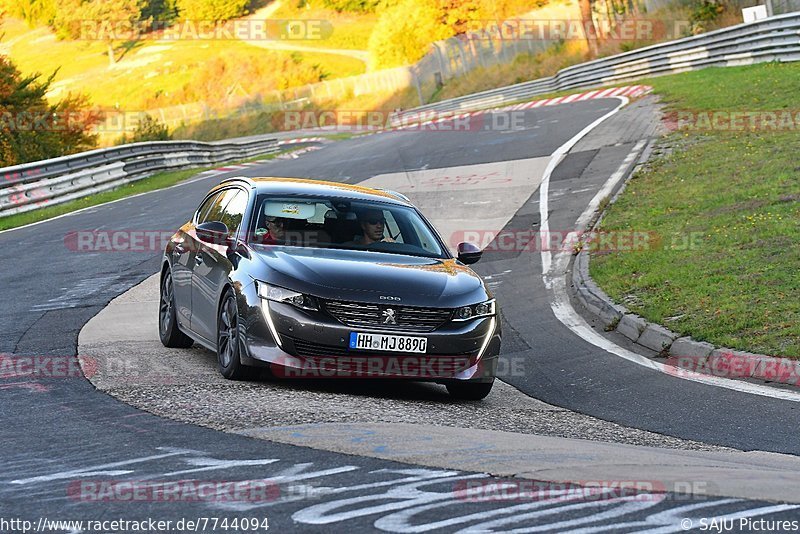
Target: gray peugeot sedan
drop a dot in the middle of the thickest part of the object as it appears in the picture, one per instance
(317, 279)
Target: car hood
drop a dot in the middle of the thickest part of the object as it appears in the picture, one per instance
(366, 276)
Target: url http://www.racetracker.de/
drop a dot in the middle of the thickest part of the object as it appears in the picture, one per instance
(197, 524)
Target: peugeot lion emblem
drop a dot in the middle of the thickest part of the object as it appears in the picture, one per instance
(389, 316)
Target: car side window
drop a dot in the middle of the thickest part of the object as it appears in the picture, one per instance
(233, 212)
(201, 215)
(218, 206)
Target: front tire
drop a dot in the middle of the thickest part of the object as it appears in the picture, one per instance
(228, 328)
(473, 391)
(168, 330)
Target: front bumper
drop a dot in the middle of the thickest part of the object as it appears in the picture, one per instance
(313, 344)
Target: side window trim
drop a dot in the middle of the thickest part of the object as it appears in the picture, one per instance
(205, 205)
(213, 197)
(239, 190)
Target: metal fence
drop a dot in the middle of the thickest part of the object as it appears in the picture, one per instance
(780, 7)
(45, 183)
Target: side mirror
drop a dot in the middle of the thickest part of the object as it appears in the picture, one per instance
(468, 253)
(213, 232)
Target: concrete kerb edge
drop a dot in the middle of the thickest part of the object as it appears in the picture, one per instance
(688, 353)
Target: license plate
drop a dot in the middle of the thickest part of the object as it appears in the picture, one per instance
(385, 342)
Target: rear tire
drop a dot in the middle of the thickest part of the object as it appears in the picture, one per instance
(473, 391)
(168, 330)
(228, 361)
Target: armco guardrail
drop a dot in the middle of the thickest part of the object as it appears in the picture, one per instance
(45, 183)
(772, 39)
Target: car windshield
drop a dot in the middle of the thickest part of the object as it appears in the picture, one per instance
(343, 224)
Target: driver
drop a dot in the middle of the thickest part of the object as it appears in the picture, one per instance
(373, 225)
(276, 231)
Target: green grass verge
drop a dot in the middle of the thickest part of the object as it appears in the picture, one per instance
(726, 209)
(762, 87)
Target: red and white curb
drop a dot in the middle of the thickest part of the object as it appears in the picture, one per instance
(630, 91)
(229, 168)
(301, 140)
(294, 154)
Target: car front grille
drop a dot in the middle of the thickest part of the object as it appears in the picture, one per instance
(406, 318)
(309, 348)
(340, 360)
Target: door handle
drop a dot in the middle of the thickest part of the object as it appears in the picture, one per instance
(198, 259)
(179, 249)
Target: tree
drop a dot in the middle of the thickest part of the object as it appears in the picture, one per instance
(114, 18)
(106, 20)
(405, 30)
(160, 10)
(588, 25)
(215, 10)
(457, 14)
(32, 129)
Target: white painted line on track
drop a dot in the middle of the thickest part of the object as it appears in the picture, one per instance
(553, 275)
(544, 188)
(100, 470)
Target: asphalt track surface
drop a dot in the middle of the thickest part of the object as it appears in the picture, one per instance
(57, 431)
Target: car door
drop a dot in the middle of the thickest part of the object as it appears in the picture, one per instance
(212, 265)
(185, 245)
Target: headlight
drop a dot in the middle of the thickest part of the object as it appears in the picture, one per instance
(483, 309)
(287, 296)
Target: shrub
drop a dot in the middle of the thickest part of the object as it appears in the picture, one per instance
(357, 6)
(704, 13)
(211, 9)
(33, 12)
(148, 129)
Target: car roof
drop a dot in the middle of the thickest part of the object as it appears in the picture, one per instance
(308, 187)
